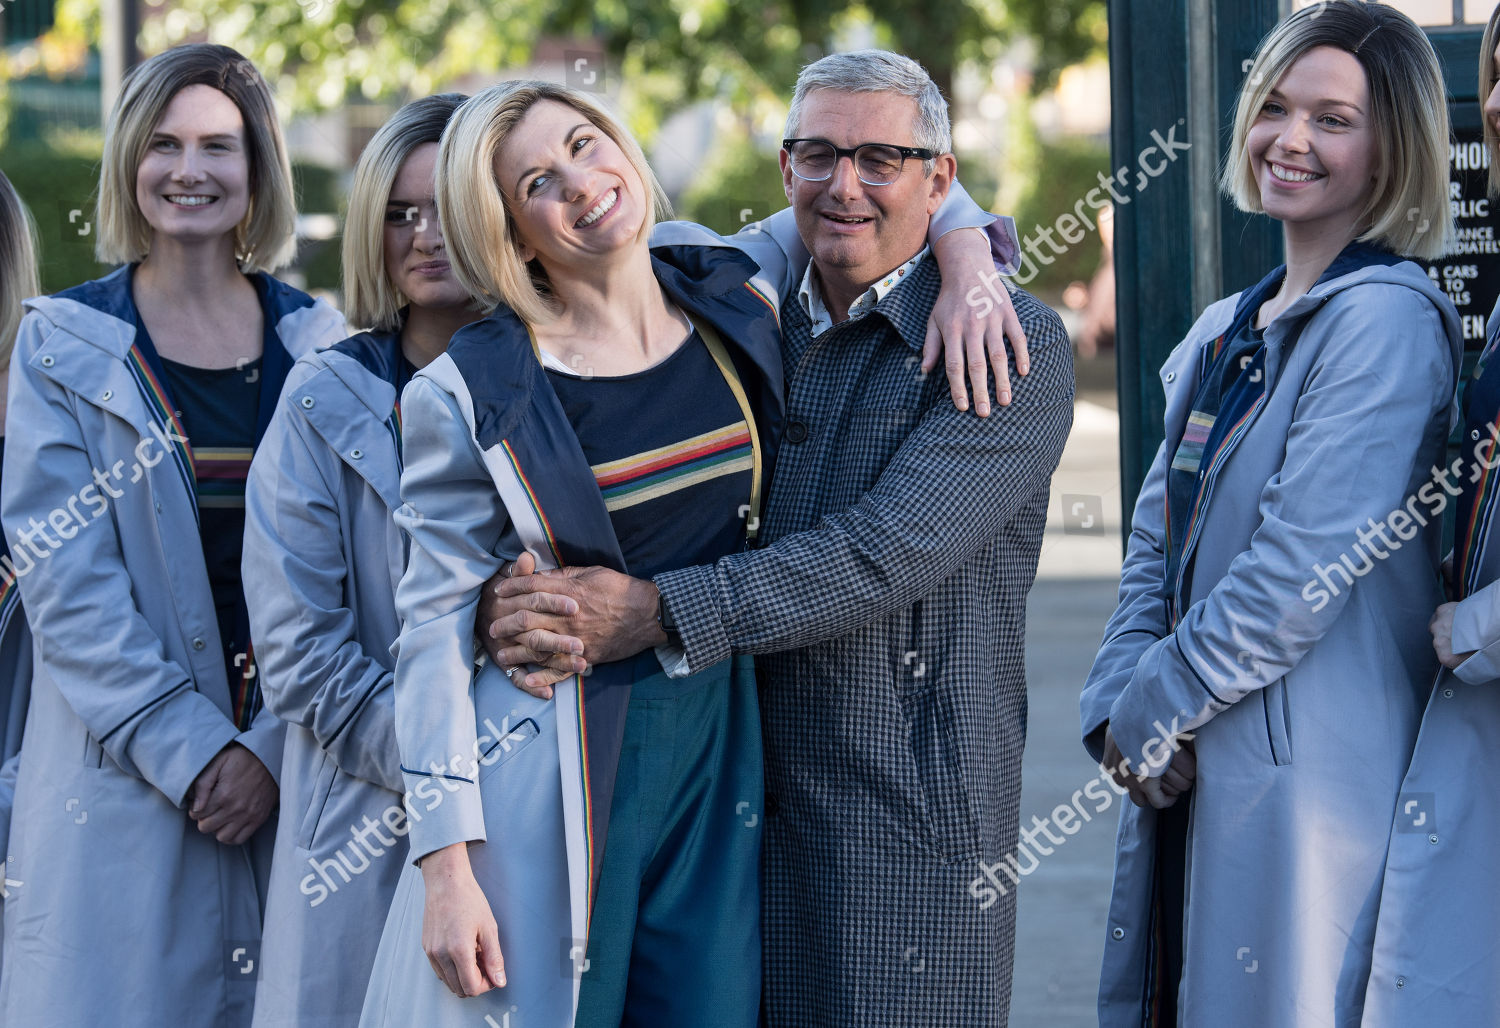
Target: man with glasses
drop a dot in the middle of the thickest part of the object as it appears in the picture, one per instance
(886, 598)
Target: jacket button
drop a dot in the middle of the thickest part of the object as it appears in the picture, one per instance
(307, 402)
(1400, 981)
(1170, 376)
(796, 432)
(198, 642)
(1474, 434)
(47, 361)
(1117, 934)
(1432, 839)
(107, 394)
(1447, 694)
(356, 453)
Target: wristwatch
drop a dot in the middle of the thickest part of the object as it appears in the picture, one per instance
(666, 621)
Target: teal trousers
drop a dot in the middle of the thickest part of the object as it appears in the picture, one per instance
(674, 941)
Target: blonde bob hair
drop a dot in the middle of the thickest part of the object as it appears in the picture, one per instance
(264, 239)
(18, 273)
(1408, 210)
(371, 299)
(1486, 87)
(482, 243)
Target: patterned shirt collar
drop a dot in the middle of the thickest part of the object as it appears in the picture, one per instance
(811, 294)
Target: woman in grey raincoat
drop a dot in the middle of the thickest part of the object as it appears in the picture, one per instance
(1437, 947)
(1259, 687)
(321, 563)
(18, 280)
(140, 844)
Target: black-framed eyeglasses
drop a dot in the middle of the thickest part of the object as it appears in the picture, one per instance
(876, 164)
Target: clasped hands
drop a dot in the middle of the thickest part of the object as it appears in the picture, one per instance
(564, 620)
(1155, 792)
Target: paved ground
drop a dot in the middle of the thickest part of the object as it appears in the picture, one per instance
(1062, 903)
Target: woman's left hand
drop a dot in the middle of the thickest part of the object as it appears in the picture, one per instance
(1441, 626)
(973, 317)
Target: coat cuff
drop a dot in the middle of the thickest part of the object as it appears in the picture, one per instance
(1468, 634)
(176, 740)
(692, 595)
(266, 738)
(441, 809)
(1165, 698)
(372, 740)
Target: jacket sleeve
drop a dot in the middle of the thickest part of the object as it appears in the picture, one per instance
(1476, 627)
(894, 545)
(314, 672)
(455, 519)
(91, 637)
(1381, 379)
(1141, 617)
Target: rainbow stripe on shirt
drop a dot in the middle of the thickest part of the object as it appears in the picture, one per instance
(222, 472)
(668, 469)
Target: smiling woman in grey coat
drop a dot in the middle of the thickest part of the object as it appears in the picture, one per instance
(322, 559)
(146, 788)
(1259, 688)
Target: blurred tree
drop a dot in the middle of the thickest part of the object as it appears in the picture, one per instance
(322, 52)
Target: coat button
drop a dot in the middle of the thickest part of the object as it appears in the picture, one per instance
(1117, 934)
(198, 642)
(1447, 694)
(1170, 376)
(356, 453)
(1432, 839)
(1474, 434)
(47, 361)
(107, 394)
(796, 432)
(307, 402)
(1400, 981)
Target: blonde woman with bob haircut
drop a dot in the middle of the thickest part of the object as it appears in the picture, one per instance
(1434, 931)
(322, 559)
(622, 403)
(147, 784)
(18, 281)
(1259, 689)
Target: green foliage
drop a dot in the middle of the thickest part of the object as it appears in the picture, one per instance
(57, 183)
(741, 184)
(670, 52)
(1065, 172)
(319, 191)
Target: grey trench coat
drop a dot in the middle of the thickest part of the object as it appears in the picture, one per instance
(1302, 660)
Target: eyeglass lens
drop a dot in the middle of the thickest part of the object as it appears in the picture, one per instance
(873, 162)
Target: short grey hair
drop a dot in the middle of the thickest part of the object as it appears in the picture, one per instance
(879, 71)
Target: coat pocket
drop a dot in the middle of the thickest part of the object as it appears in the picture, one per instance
(516, 738)
(1278, 721)
(317, 801)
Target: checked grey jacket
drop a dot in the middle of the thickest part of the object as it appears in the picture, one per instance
(889, 602)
